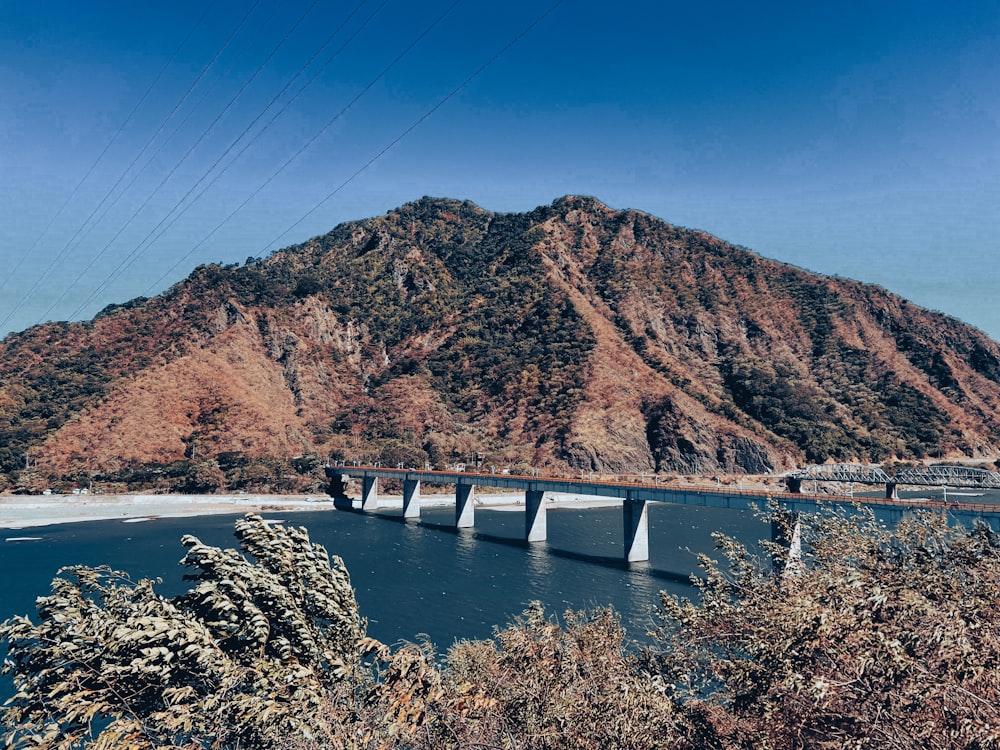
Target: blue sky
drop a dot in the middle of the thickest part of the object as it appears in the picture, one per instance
(854, 138)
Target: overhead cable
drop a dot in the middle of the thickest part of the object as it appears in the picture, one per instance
(420, 120)
(12, 273)
(191, 88)
(497, 55)
(176, 166)
(164, 225)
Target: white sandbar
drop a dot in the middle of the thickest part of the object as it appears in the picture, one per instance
(28, 511)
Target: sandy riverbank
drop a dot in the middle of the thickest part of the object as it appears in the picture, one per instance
(25, 511)
(28, 511)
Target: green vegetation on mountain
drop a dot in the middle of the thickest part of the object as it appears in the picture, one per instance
(871, 639)
(570, 337)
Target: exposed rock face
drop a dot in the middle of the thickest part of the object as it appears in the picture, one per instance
(574, 336)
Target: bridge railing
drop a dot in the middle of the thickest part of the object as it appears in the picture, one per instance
(482, 479)
(651, 481)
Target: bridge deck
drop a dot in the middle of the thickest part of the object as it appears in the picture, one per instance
(720, 497)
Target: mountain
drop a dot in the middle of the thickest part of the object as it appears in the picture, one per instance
(574, 336)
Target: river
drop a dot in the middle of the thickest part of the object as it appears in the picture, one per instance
(415, 578)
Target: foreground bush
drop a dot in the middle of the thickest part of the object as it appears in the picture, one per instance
(873, 638)
(541, 685)
(876, 638)
(250, 652)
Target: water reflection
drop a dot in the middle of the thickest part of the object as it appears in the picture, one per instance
(466, 547)
(539, 560)
(414, 577)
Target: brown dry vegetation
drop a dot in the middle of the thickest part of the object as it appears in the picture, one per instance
(572, 337)
(876, 639)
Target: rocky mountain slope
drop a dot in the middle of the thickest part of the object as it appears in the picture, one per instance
(574, 336)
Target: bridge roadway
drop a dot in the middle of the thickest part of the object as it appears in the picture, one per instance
(635, 497)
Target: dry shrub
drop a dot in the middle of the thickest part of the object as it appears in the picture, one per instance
(252, 651)
(541, 685)
(879, 638)
(875, 639)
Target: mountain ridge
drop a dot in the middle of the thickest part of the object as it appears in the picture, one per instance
(573, 336)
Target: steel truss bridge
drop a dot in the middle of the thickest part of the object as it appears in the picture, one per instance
(932, 476)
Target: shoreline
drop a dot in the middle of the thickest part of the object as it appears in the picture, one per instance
(34, 511)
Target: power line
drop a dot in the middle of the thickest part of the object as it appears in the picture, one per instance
(200, 138)
(124, 191)
(524, 32)
(13, 272)
(144, 245)
(204, 134)
(63, 252)
(497, 55)
(316, 136)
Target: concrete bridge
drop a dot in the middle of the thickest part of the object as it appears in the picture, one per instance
(635, 497)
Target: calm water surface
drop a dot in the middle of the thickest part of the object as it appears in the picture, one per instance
(427, 577)
(415, 578)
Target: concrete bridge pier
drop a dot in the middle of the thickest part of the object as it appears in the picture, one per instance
(891, 491)
(534, 516)
(338, 490)
(785, 530)
(465, 505)
(411, 498)
(369, 493)
(636, 517)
